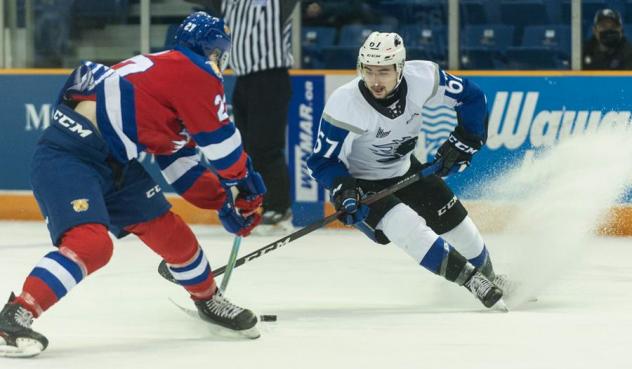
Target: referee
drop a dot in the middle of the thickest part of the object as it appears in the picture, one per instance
(260, 58)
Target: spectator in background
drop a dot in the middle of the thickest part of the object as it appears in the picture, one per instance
(261, 56)
(608, 48)
(318, 14)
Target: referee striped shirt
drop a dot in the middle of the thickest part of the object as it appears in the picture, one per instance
(261, 34)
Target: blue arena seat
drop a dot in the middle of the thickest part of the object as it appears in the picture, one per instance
(51, 32)
(627, 31)
(318, 36)
(551, 37)
(480, 58)
(432, 39)
(313, 40)
(428, 12)
(520, 13)
(355, 34)
(339, 57)
(626, 12)
(101, 9)
(534, 58)
(420, 53)
(494, 36)
(474, 12)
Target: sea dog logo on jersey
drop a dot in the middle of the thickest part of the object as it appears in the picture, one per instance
(80, 205)
(394, 150)
(71, 124)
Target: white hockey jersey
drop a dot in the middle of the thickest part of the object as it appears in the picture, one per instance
(358, 137)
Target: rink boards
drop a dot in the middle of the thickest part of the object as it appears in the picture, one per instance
(528, 112)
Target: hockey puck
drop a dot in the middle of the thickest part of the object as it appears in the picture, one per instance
(268, 318)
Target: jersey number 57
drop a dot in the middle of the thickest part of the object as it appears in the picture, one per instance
(331, 145)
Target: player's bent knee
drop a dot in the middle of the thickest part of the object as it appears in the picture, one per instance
(169, 236)
(89, 245)
(405, 227)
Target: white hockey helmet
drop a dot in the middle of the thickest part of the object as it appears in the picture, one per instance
(382, 48)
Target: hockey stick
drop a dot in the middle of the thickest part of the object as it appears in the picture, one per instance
(231, 263)
(163, 270)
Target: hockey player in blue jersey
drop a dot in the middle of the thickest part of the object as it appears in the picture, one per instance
(367, 134)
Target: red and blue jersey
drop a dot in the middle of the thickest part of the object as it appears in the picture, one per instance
(166, 104)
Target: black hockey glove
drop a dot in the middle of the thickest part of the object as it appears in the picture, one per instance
(346, 196)
(456, 152)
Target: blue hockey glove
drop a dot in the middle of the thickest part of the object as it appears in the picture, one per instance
(456, 152)
(234, 221)
(251, 190)
(346, 196)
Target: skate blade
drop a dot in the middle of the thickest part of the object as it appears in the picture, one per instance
(500, 306)
(218, 330)
(26, 347)
(221, 331)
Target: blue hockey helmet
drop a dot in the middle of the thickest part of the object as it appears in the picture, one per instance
(205, 35)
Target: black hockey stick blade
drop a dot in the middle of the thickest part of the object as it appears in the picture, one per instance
(163, 269)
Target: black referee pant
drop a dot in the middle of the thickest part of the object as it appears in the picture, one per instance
(260, 105)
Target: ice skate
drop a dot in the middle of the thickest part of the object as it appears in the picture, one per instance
(17, 339)
(218, 310)
(274, 223)
(485, 291)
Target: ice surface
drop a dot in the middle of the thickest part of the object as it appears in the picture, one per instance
(342, 302)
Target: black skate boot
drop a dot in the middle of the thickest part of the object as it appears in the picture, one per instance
(218, 310)
(17, 339)
(484, 290)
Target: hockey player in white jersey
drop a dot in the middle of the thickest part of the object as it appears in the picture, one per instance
(367, 134)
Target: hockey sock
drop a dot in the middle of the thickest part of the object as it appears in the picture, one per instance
(404, 227)
(467, 240)
(195, 276)
(173, 240)
(444, 260)
(83, 250)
